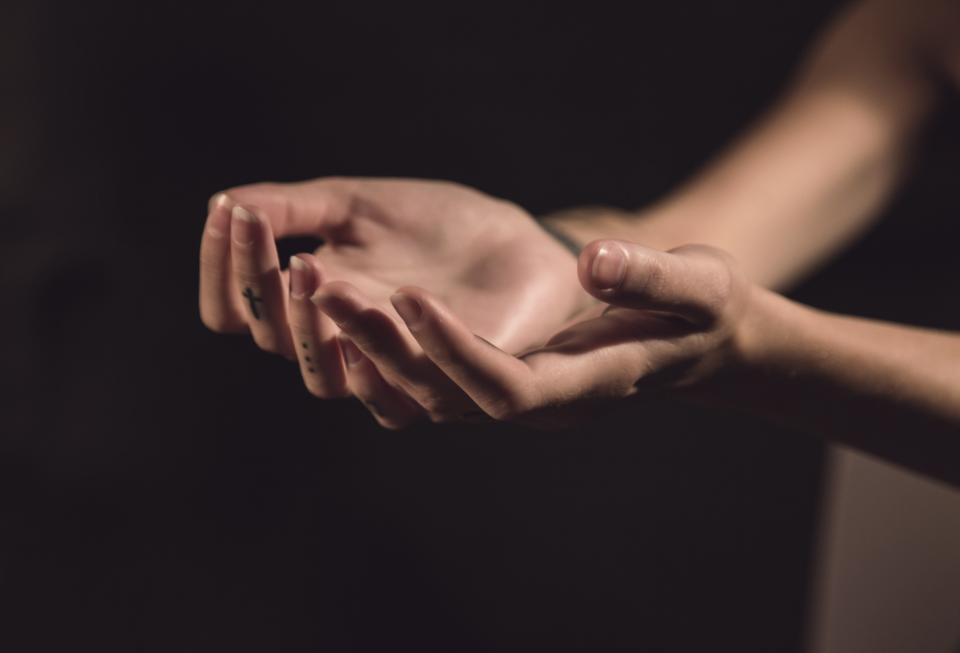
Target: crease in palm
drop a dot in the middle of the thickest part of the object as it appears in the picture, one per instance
(504, 276)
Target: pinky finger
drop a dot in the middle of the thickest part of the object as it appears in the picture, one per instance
(389, 406)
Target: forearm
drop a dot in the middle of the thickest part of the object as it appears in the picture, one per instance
(888, 389)
(812, 173)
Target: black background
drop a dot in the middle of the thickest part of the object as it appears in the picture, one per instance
(166, 489)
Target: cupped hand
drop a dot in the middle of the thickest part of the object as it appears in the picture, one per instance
(485, 258)
(667, 319)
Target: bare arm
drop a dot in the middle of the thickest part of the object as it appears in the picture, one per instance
(888, 389)
(789, 193)
(815, 170)
(793, 190)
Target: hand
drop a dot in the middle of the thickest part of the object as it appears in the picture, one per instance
(487, 259)
(668, 319)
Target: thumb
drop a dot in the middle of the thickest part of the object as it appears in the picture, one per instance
(308, 208)
(693, 282)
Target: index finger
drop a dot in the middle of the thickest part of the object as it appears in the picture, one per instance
(306, 208)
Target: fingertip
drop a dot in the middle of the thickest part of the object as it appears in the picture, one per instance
(244, 226)
(408, 308)
(240, 212)
(609, 266)
(219, 200)
(585, 262)
(602, 265)
(298, 263)
(314, 263)
(429, 304)
(302, 280)
(336, 298)
(218, 218)
(352, 355)
(320, 295)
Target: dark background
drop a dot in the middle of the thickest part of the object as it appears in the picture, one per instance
(166, 489)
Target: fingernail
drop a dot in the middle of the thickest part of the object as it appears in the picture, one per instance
(244, 226)
(299, 278)
(408, 308)
(219, 200)
(218, 223)
(609, 267)
(351, 353)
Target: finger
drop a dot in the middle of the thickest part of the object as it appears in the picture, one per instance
(693, 282)
(500, 384)
(394, 353)
(603, 356)
(317, 207)
(256, 269)
(220, 303)
(388, 405)
(314, 334)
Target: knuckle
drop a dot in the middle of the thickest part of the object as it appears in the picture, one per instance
(720, 289)
(720, 279)
(249, 278)
(654, 275)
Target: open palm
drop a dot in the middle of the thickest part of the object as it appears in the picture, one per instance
(486, 258)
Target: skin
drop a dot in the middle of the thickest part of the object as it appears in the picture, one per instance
(484, 256)
(703, 320)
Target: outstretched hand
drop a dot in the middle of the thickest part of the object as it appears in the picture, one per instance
(667, 319)
(485, 258)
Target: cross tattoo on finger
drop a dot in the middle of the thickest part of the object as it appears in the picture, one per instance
(253, 299)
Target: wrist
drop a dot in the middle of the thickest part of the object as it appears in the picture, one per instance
(560, 236)
(730, 373)
(584, 224)
(768, 329)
